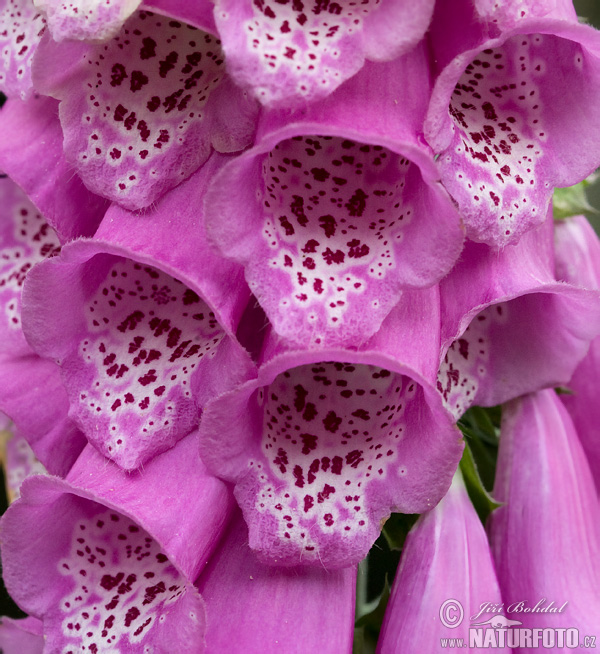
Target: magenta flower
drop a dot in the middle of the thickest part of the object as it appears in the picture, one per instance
(107, 571)
(578, 262)
(289, 53)
(142, 325)
(446, 576)
(324, 255)
(549, 518)
(258, 608)
(142, 112)
(326, 443)
(508, 327)
(511, 113)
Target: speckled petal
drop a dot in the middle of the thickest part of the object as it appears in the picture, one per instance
(31, 154)
(549, 518)
(31, 392)
(578, 262)
(114, 555)
(325, 444)
(21, 27)
(292, 52)
(21, 636)
(508, 327)
(508, 13)
(446, 567)
(142, 112)
(265, 610)
(25, 239)
(337, 210)
(142, 324)
(511, 117)
(86, 20)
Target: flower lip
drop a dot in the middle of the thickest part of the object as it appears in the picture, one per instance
(291, 54)
(203, 354)
(498, 119)
(296, 231)
(127, 539)
(295, 461)
(156, 104)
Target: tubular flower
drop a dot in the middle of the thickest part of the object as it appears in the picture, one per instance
(446, 555)
(549, 517)
(323, 445)
(143, 111)
(106, 572)
(289, 53)
(266, 609)
(508, 327)
(337, 209)
(145, 334)
(511, 114)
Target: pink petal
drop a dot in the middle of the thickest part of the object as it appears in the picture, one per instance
(549, 520)
(291, 53)
(325, 444)
(141, 113)
(511, 117)
(142, 324)
(508, 327)
(21, 27)
(264, 610)
(310, 219)
(446, 576)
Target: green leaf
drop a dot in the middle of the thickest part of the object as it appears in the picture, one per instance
(481, 428)
(367, 628)
(571, 201)
(563, 390)
(396, 529)
(483, 502)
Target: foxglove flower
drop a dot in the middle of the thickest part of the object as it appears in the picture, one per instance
(258, 608)
(549, 519)
(21, 636)
(32, 393)
(142, 112)
(337, 210)
(446, 574)
(508, 327)
(324, 444)
(578, 262)
(291, 53)
(142, 324)
(511, 115)
(107, 559)
(31, 154)
(21, 27)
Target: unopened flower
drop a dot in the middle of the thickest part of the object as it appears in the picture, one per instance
(446, 575)
(545, 536)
